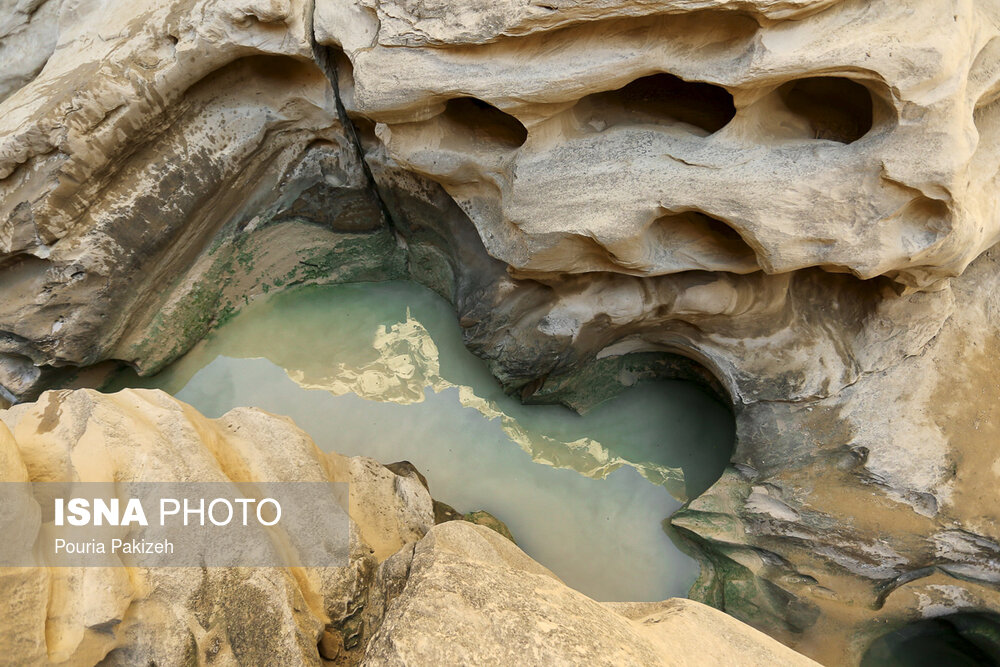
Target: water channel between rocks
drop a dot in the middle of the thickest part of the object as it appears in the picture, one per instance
(379, 369)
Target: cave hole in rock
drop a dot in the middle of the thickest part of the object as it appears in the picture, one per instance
(659, 99)
(966, 639)
(691, 240)
(672, 243)
(485, 122)
(380, 370)
(987, 119)
(834, 108)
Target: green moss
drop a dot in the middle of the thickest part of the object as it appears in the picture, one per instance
(431, 268)
(712, 533)
(236, 273)
(226, 313)
(484, 518)
(354, 258)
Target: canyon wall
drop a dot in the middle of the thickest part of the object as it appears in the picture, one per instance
(797, 196)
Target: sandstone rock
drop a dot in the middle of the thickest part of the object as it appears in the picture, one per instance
(331, 645)
(28, 32)
(470, 597)
(754, 194)
(484, 518)
(177, 615)
(147, 170)
(729, 131)
(805, 215)
(851, 516)
(392, 510)
(444, 512)
(453, 583)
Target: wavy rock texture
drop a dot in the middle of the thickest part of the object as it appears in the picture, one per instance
(154, 133)
(795, 205)
(797, 195)
(305, 616)
(738, 142)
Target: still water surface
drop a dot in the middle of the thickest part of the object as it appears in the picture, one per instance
(380, 370)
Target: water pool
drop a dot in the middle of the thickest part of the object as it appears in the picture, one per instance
(379, 370)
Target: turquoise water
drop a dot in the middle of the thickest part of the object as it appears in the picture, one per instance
(380, 370)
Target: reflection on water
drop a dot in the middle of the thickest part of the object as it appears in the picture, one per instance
(380, 370)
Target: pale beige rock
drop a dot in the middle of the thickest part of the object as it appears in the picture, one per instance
(910, 199)
(463, 594)
(178, 615)
(835, 278)
(157, 138)
(853, 515)
(115, 613)
(391, 510)
(470, 597)
(174, 159)
(440, 22)
(28, 33)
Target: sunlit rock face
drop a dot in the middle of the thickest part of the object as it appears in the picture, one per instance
(799, 196)
(461, 575)
(185, 615)
(714, 153)
(785, 192)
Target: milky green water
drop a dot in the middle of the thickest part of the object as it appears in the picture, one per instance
(380, 370)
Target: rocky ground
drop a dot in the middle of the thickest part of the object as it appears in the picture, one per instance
(413, 593)
(791, 200)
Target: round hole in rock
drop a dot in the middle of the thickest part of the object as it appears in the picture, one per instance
(380, 370)
(968, 639)
(659, 99)
(485, 122)
(835, 108)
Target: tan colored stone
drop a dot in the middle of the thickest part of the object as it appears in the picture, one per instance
(175, 158)
(461, 594)
(174, 615)
(910, 199)
(470, 597)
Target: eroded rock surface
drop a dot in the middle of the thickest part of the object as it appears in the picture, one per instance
(797, 195)
(801, 206)
(140, 169)
(465, 595)
(308, 615)
(180, 615)
(853, 138)
(859, 512)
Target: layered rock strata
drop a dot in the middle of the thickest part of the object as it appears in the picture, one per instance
(796, 195)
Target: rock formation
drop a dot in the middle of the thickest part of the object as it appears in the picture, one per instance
(793, 200)
(464, 595)
(396, 595)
